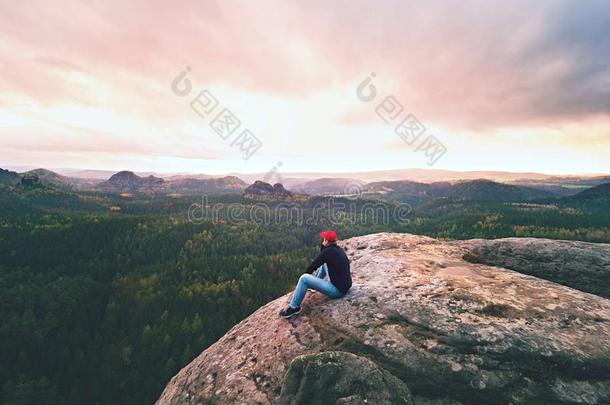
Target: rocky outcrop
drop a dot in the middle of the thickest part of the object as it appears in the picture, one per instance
(30, 180)
(429, 324)
(342, 378)
(259, 189)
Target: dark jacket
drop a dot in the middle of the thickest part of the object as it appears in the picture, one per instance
(338, 266)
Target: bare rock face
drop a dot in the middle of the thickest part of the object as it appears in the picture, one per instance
(580, 265)
(431, 325)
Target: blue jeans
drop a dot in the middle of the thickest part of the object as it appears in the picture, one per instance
(317, 283)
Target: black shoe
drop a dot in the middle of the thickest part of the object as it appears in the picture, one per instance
(289, 311)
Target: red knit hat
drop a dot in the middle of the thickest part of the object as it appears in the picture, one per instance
(329, 235)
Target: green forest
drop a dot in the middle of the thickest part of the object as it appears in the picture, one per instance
(104, 306)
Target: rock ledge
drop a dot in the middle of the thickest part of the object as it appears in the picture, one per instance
(427, 324)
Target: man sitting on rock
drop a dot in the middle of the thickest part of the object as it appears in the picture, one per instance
(333, 261)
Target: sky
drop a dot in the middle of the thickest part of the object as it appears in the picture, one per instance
(342, 86)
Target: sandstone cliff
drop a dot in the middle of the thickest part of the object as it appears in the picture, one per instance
(426, 322)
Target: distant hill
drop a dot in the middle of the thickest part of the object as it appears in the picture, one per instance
(558, 184)
(563, 185)
(473, 190)
(51, 179)
(575, 181)
(65, 183)
(31, 195)
(222, 185)
(127, 181)
(198, 176)
(411, 192)
(490, 186)
(98, 175)
(597, 192)
(559, 190)
(414, 174)
(328, 186)
(486, 190)
(407, 187)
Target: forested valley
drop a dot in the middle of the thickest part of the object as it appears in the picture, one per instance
(104, 305)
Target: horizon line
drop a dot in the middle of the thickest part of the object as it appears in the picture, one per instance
(26, 168)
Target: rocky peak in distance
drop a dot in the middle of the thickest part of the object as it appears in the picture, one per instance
(262, 189)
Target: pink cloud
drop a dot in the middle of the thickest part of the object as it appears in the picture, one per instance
(466, 65)
(470, 66)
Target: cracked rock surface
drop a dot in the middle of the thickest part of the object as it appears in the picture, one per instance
(433, 325)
